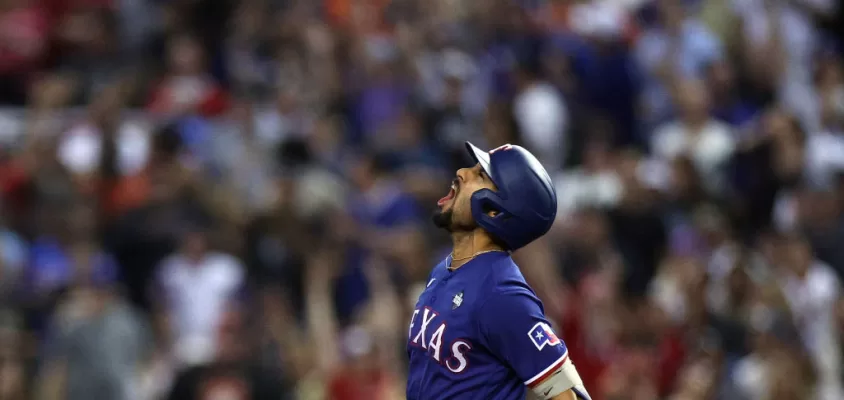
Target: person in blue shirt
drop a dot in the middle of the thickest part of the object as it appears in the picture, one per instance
(478, 331)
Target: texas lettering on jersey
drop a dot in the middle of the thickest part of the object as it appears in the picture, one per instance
(427, 332)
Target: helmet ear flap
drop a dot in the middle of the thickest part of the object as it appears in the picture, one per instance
(484, 201)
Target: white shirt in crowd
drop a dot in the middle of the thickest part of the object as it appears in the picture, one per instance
(824, 158)
(812, 300)
(80, 149)
(708, 149)
(543, 119)
(578, 188)
(197, 295)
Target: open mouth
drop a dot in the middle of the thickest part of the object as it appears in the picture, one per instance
(451, 193)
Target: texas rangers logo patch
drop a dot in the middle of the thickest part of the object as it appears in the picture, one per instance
(541, 335)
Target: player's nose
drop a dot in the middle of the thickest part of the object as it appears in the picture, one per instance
(462, 174)
(465, 174)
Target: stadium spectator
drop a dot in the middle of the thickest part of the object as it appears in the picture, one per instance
(195, 287)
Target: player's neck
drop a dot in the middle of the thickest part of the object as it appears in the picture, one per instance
(468, 244)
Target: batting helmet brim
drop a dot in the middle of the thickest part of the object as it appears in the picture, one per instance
(481, 157)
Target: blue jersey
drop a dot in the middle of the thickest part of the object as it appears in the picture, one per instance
(479, 332)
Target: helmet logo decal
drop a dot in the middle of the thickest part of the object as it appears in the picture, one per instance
(504, 147)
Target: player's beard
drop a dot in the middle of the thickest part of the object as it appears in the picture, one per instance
(442, 219)
(445, 220)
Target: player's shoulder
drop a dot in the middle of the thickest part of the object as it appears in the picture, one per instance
(505, 274)
(504, 277)
(506, 293)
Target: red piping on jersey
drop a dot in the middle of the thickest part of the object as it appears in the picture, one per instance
(550, 372)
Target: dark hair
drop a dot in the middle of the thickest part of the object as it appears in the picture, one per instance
(381, 163)
(529, 56)
(109, 21)
(168, 140)
(293, 153)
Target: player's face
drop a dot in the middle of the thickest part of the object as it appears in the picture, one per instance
(455, 209)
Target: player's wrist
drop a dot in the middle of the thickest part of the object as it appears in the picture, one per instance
(566, 378)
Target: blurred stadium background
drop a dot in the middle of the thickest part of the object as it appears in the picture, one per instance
(229, 199)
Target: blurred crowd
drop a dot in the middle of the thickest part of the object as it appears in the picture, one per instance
(230, 199)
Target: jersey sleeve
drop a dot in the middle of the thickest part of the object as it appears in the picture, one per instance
(514, 329)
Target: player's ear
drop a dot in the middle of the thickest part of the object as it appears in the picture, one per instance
(489, 211)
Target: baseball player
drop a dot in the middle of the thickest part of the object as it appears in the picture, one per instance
(478, 331)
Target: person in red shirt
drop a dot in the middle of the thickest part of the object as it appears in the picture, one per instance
(363, 16)
(24, 34)
(363, 376)
(188, 88)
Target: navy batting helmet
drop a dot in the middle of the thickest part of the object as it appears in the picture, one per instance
(525, 198)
